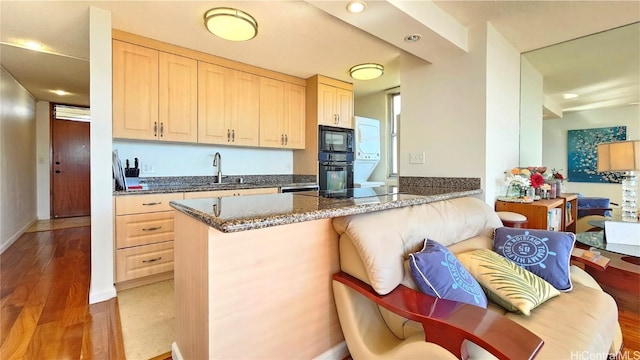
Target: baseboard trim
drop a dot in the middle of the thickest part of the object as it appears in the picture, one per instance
(175, 352)
(100, 296)
(16, 236)
(337, 352)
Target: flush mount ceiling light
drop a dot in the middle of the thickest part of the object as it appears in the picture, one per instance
(568, 96)
(367, 71)
(412, 38)
(231, 24)
(60, 92)
(356, 7)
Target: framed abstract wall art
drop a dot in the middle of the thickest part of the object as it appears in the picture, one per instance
(582, 152)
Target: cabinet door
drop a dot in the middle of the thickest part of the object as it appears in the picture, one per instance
(271, 113)
(135, 91)
(327, 114)
(213, 85)
(294, 115)
(344, 108)
(178, 98)
(245, 109)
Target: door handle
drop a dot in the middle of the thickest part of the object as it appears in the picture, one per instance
(281, 139)
(152, 260)
(58, 171)
(57, 162)
(228, 135)
(152, 203)
(161, 129)
(155, 128)
(233, 136)
(286, 139)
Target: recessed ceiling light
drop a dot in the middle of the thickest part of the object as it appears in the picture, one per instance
(60, 92)
(412, 37)
(33, 45)
(568, 96)
(356, 7)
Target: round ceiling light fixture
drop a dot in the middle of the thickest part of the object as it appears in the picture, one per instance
(412, 38)
(356, 7)
(368, 71)
(231, 24)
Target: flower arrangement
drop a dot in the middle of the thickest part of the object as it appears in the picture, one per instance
(520, 179)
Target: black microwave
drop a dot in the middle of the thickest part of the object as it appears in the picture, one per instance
(335, 139)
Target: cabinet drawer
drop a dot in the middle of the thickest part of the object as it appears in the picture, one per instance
(136, 204)
(139, 261)
(142, 229)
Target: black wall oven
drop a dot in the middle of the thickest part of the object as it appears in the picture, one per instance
(335, 158)
(335, 171)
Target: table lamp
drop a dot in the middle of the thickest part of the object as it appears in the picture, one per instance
(623, 156)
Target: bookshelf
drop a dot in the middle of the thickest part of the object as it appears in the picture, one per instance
(571, 213)
(537, 212)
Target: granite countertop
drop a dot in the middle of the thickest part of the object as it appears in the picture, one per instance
(240, 213)
(206, 183)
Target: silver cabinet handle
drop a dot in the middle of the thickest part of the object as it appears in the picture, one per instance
(155, 128)
(161, 129)
(152, 228)
(281, 139)
(233, 136)
(228, 135)
(152, 260)
(286, 139)
(152, 203)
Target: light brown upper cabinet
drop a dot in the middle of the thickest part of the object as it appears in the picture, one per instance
(135, 91)
(334, 101)
(178, 98)
(154, 94)
(282, 114)
(228, 106)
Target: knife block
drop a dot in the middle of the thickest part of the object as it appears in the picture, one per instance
(131, 172)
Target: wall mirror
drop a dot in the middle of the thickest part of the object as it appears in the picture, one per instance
(586, 83)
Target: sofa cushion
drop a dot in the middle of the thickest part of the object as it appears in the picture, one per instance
(438, 273)
(506, 283)
(544, 253)
(383, 239)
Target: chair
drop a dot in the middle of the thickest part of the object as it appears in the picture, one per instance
(594, 206)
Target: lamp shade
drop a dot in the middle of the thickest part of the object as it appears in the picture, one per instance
(368, 71)
(619, 156)
(231, 24)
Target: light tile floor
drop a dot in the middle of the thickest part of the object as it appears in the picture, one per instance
(147, 319)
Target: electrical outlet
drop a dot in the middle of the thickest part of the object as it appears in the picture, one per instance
(147, 169)
(416, 158)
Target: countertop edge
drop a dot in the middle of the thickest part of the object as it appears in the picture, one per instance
(277, 220)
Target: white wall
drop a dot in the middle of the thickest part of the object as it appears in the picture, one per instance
(173, 159)
(18, 160)
(531, 101)
(375, 106)
(554, 154)
(102, 263)
(43, 144)
(503, 112)
(450, 108)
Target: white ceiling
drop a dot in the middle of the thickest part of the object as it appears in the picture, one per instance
(295, 37)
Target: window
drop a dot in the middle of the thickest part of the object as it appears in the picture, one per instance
(67, 112)
(394, 118)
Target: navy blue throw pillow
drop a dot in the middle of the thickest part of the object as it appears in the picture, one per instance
(438, 272)
(544, 253)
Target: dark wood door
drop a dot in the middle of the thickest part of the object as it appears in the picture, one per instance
(70, 170)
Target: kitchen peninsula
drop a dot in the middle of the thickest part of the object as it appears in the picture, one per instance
(253, 274)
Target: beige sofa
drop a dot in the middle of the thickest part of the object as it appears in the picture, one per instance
(374, 248)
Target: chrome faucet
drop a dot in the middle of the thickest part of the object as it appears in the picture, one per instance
(217, 163)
